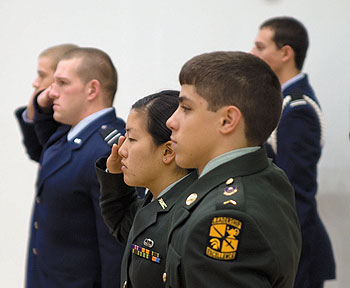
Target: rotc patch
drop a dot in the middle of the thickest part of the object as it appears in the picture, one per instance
(223, 242)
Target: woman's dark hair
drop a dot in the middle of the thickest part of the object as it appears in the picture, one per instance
(158, 108)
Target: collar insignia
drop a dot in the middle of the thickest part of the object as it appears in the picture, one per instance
(77, 141)
(190, 199)
(162, 203)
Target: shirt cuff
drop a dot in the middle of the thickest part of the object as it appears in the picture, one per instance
(26, 119)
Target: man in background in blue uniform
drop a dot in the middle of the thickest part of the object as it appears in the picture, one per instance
(47, 63)
(75, 124)
(296, 144)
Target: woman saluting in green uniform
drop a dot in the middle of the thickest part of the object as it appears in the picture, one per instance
(143, 158)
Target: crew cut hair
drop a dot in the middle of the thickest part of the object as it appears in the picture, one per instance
(96, 65)
(55, 53)
(242, 80)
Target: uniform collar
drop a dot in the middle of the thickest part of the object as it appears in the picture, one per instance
(228, 156)
(148, 214)
(170, 186)
(291, 81)
(74, 131)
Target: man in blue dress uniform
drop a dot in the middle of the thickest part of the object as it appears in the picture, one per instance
(296, 144)
(75, 124)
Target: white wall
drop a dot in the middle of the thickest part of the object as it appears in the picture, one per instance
(148, 42)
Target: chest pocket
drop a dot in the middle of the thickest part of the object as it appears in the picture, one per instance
(172, 276)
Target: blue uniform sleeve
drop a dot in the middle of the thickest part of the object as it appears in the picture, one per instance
(29, 138)
(298, 151)
(44, 124)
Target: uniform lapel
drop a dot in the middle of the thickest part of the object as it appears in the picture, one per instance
(64, 153)
(56, 154)
(300, 86)
(61, 130)
(145, 217)
(148, 214)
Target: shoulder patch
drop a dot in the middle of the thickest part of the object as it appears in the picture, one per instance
(223, 238)
(109, 134)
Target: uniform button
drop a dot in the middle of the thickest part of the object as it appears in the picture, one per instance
(164, 277)
(36, 225)
(124, 285)
(38, 200)
(35, 252)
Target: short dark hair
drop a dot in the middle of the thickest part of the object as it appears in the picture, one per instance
(289, 31)
(96, 64)
(242, 80)
(158, 108)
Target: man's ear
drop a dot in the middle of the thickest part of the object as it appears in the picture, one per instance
(231, 116)
(94, 88)
(288, 53)
(168, 153)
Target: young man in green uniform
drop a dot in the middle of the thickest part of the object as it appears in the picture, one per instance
(236, 226)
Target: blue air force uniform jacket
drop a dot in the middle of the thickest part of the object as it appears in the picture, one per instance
(70, 246)
(142, 224)
(236, 226)
(296, 146)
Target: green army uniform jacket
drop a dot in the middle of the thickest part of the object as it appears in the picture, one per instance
(236, 226)
(141, 224)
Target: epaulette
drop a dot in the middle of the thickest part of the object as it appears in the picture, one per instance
(298, 98)
(231, 195)
(294, 99)
(109, 134)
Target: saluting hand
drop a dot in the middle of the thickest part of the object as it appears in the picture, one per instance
(44, 100)
(30, 106)
(114, 159)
